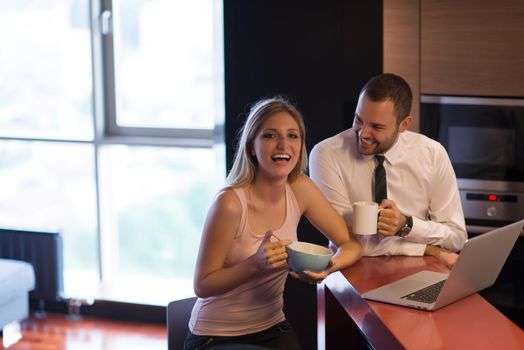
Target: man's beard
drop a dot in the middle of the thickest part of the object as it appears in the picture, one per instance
(379, 147)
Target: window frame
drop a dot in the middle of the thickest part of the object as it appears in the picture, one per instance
(107, 130)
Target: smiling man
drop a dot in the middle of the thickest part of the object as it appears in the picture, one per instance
(421, 209)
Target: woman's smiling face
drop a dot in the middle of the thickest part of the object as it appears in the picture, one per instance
(277, 145)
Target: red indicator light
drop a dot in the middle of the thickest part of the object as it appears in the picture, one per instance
(492, 197)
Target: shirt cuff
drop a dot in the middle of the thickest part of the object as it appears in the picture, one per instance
(417, 230)
(411, 249)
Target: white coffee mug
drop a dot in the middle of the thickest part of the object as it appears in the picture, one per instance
(365, 218)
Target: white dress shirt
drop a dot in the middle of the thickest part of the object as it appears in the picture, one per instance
(420, 179)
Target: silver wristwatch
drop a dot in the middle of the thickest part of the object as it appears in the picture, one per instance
(404, 231)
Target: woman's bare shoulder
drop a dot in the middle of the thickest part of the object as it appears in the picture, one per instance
(227, 201)
(304, 190)
(301, 183)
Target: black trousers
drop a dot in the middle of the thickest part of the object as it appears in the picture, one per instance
(280, 337)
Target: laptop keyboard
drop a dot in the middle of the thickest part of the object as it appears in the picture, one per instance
(426, 295)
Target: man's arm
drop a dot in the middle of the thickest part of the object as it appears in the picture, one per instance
(446, 225)
(324, 172)
(447, 257)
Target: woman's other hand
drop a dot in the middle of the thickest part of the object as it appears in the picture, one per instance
(313, 277)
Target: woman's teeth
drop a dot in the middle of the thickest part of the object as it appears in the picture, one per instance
(281, 157)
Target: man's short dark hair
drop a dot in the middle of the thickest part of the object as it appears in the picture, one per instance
(388, 86)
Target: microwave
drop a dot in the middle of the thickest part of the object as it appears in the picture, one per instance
(484, 138)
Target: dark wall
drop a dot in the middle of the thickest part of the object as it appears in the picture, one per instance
(317, 53)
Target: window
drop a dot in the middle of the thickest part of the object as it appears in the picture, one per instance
(111, 119)
(45, 70)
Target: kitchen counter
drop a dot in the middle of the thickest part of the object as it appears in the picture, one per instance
(346, 320)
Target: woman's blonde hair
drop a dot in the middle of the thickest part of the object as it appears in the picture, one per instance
(245, 164)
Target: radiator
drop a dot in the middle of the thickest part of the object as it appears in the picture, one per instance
(44, 251)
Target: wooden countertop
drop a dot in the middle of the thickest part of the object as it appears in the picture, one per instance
(470, 323)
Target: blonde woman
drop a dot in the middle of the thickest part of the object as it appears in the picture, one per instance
(242, 262)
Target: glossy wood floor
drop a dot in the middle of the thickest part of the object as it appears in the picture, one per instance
(56, 332)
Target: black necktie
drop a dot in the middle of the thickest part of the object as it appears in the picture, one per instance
(381, 189)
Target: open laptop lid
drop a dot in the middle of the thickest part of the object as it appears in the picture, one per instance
(479, 263)
(477, 267)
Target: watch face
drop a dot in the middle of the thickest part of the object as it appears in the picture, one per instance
(404, 231)
(407, 228)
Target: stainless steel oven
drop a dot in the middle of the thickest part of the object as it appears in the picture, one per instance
(484, 138)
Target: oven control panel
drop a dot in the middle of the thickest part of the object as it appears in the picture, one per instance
(480, 205)
(492, 197)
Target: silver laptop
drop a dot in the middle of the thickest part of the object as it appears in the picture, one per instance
(477, 267)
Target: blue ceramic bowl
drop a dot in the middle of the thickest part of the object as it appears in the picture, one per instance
(308, 256)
